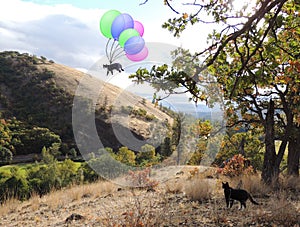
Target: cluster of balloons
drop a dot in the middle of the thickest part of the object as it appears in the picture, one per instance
(121, 28)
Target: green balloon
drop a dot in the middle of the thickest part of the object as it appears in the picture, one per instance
(106, 22)
(126, 34)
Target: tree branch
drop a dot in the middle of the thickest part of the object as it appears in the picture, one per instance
(259, 15)
(168, 4)
(143, 3)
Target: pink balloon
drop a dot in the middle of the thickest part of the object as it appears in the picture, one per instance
(139, 56)
(139, 27)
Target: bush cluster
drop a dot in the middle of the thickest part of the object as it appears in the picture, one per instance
(42, 177)
(141, 179)
(236, 166)
(138, 113)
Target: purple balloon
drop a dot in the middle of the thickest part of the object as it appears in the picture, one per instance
(139, 27)
(134, 45)
(139, 56)
(121, 23)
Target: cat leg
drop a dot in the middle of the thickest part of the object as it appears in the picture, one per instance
(231, 203)
(227, 203)
(243, 204)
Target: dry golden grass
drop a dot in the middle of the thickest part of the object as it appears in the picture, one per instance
(175, 187)
(281, 211)
(58, 198)
(93, 190)
(290, 183)
(199, 189)
(252, 183)
(201, 204)
(136, 208)
(35, 202)
(9, 206)
(209, 173)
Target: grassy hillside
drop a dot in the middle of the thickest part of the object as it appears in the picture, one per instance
(37, 93)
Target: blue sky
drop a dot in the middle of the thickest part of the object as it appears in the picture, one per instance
(130, 6)
(77, 3)
(92, 4)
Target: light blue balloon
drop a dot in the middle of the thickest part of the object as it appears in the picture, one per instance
(121, 23)
(134, 45)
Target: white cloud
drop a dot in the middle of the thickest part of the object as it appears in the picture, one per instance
(64, 33)
(71, 35)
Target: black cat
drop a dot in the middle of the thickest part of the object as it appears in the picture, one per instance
(112, 67)
(236, 194)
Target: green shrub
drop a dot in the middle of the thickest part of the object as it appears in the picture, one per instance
(107, 167)
(5, 155)
(126, 156)
(89, 174)
(15, 187)
(14, 184)
(150, 117)
(147, 156)
(126, 109)
(67, 172)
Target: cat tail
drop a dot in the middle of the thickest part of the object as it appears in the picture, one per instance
(252, 200)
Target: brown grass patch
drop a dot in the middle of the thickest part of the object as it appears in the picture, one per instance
(199, 189)
(175, 187)
(9, 206)
(291, 183)
(58, 198)
(141, 209)
(35, 202)
(252, 183)
(281, 212)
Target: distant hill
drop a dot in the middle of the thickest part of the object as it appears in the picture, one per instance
(40, 93)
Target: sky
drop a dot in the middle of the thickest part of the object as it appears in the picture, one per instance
(67, 31)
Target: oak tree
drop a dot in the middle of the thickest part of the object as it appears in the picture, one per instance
(253, 56)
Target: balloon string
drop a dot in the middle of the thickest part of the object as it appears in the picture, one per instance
(121, 54)
(106, 49)
(118, 55)
(116, 52)
(112, 50)
(111, 47)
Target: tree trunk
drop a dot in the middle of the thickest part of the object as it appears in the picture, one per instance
(242, 146)
(294, 154)
(269, 171)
